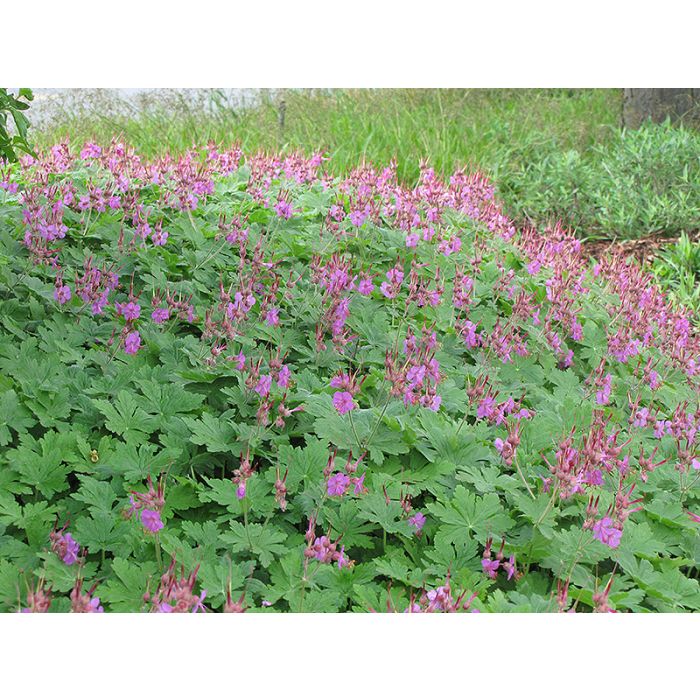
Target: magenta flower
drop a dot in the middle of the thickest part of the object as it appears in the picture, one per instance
(490, 566)
(65, 547)
(534, 267)
(241, 491)
(264, 384)
(365, 286)
(343, 402)
(284, 376)
(641, 417)
(606, 531)
(272, 317)
(151, 520)
(62, 294)
(486, 408)
(132, 343)
(130, 311)
(159, 237)
(359, 485)
(338, 484)
(72, 548)
(239, 360)
(357, 218)
(90, 150)
(160, 315)
(418, 521)
(284, 209)
(509, 566)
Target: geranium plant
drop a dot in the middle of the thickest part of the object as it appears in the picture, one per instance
(236, 383)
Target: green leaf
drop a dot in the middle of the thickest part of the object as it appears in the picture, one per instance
(216, 434)
(484, 516)
(263, 541)
(125, 417)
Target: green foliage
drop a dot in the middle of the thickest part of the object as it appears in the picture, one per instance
(632, 184)
(678, 269)
(88, 428)
(12, 108)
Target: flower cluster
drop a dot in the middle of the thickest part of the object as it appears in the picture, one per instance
(150, 505)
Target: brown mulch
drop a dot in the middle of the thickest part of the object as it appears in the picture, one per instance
(643, 249)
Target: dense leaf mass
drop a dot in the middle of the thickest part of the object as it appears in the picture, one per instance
(237, 383)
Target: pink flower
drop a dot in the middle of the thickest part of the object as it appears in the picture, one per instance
(338, 484)
(412, 240)
(159, 237)
(343, 402)
(365, 286)
(132, 343)
(284, 209)
(160, 315)
(151, 520)
(272, 317)
(606, 531)
(241, 491)
(490, 566)
(509, 566)
(283, 377)
(62, 294)
(130, 311)
(418, 521)
(264, 385)
(71, 549)
(359, 485)
(357, 218)
(239, 360)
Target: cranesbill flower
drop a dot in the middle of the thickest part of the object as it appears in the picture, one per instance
(132, 343)
(606, 531)
(418, 521)
(159, 237)
(359, 485)
(65, 547)
(284, 209)
(151, 520)
(509, 566)
(357, 218)
(62, 294)
(71, 551)
(264, 384)
(272, 317)
(338, 484)
(130, 311)
(412, 240)
(160, 315)
(284, 376)
(365, 286)
(490, 566)
(343, 402)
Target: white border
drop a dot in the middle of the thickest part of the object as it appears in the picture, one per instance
(343, 43)
(344, 656)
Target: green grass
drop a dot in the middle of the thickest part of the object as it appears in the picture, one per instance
(554, 154)
(481, 128)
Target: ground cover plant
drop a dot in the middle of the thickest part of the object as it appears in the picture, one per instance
(242, 383)
(552, 154)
